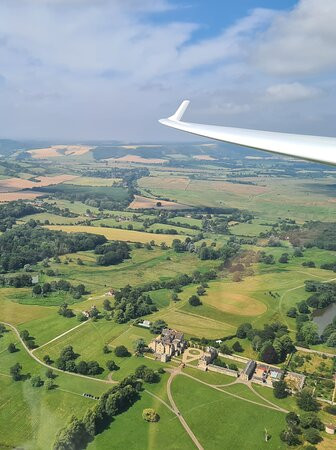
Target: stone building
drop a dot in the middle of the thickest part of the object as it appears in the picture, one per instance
(208, 356)
(169, 343)
(248, 370)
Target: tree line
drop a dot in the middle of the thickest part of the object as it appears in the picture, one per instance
(29, 243)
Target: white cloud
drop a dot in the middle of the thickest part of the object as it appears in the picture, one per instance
(289, 92)
(300, 42)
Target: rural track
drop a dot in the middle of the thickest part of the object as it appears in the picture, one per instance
(273, 407)
(60, 335)
(30, 352)
(180, 417)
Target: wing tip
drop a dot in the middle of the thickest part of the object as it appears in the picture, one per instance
(177, 116)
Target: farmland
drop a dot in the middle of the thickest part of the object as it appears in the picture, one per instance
(198, 226)
(117, 235)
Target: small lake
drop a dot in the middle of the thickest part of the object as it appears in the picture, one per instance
(322, 317)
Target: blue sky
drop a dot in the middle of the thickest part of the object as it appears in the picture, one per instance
(108, 69)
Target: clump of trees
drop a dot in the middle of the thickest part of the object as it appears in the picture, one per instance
(27, 339)
(10, 212)
(273, 342)
(18, 280)
(112, 253)
(157, 326)
(305, 427)
(121, 351)
(205, 252)
(30, 243)
(130, 303)
(79, 432)
(65, 311)
(194, 300)
(146, 374)
(323, 294)
(67, 362)
(59, 286)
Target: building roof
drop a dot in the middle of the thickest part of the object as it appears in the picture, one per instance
(250, 367)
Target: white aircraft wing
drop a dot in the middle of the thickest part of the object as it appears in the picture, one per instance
(311, 148)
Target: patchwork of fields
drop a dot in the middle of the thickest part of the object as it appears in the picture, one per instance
(180, 200)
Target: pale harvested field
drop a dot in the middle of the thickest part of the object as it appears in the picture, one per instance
(92, 181)
(183, 183)
(140, 202)
(20, 195)
(165, 182)
(12, 184)
(59, 150)
(204, 158)
(115, 234)
(16, 313)
(138, 159)
(224, 299)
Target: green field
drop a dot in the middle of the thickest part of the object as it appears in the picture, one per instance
(206, 410)
(54, 219)
(272, 198)
(29, 416)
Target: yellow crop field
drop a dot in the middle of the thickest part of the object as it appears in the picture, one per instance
(15, 313)
(93, 181)
(114, 234)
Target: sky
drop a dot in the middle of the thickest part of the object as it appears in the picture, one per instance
(109, 69)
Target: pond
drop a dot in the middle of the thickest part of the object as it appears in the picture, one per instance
(322, 317)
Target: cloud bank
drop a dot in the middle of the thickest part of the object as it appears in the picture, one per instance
(108, 69)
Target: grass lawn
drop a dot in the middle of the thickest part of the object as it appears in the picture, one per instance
(206, 410)
(47, 328)
(87, 340)
(129, 430)
(30, 417)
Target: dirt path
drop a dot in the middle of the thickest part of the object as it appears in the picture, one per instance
(42, 363)
(61, 335)
(181, 419)
(310, 350)
(160, 400)
(274, 407)
(249, 384)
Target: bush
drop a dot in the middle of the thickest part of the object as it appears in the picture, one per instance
(311, 420)
(312, 435)
(36, 381)
(121, 351)
(331, 409)
(150, 415)
(11, 348)
(111, 365)
(280, 389)
(49, 385)
(306, 401)
(237, 347)
(194, 300)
